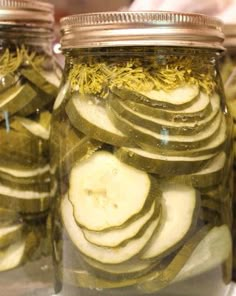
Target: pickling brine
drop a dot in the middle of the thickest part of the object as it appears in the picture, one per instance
(29, 80)
(141, 150)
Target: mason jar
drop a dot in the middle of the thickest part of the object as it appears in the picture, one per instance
(29, 80)
(228, 73)
(141, 147)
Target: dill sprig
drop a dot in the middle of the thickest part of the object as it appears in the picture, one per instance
(10, 61)
(96, 77)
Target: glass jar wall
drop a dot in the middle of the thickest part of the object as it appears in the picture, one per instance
(141, 147)
(29, 79)
(228, 67)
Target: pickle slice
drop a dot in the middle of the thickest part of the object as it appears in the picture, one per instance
(15, 98)
(160, 164)
(218, 244)
(12, 256)
(48, 82)
(10, 234)
(26, 176)
(60, 97)
(200, 110)
(153, 281)
(176, 99)
(157, 124)
(111, 192)
(114, 238)
(90, 117)
(163, 140)
(180, 207)
(8, 217)
(25, 201)
(103, 254)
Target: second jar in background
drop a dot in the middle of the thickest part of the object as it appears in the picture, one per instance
(29, 79)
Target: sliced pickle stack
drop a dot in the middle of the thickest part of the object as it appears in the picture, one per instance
(26, 98)
(144, 177)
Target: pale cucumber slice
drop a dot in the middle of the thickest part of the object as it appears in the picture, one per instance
(213, 250)
(10, 234)
(27, 175)
(114, 238)
(157, 124)
(47, 82)
(13, 256)
(176, 99)
(90, 117)
(163, 140)
(153, 281)
(180, 207)
(34, 127)
(131, 268)
(212, 173)
(103, 254)
(109, 191)
(25, 201)
(198, 111)
(215, 145)
(160, 164)
(61, 95)
(16, 98)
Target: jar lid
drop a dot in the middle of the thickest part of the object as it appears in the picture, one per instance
(230, 35)
(26, 12)
(162, 28)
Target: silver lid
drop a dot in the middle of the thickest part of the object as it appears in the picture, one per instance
(27, 12)
(160, 28)
(230, 35)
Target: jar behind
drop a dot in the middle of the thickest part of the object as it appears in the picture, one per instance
(228, 72)
(29, 79)
(141, 146)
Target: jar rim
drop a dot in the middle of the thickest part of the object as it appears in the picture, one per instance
(29, 12)
(147, 28)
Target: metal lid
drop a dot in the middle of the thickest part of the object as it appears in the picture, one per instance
(27, 12)
(230, 35)
(160, 28)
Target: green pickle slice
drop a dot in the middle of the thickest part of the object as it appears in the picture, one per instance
(9, 234)
(88, 115)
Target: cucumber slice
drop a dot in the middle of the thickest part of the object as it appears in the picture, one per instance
(114, 238)
(130, 269)
(212, 251)
(27, 176)
(15, 98)
(200, 110)
(161, 279)
(180, 207)
(8, 81)
(102, 254)
(151, 282)
(88, 116)
(163, 140)
(12, 256)
(25, 201)
(157, 163)
(157, 124)
(48, 82)
(20, 150)
(61, 95)
(10, 234)
(93, 192)
(212, 174)
(176, 99)
(215, 145)
(34, 128)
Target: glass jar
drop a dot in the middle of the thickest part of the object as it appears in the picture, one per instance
(228, 73)
(29, 80)
(141, 146)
